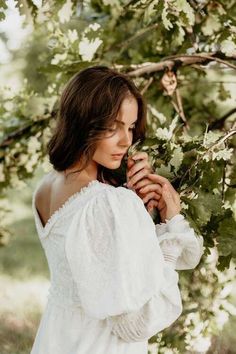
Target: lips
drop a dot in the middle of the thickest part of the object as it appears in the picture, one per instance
(119, 154)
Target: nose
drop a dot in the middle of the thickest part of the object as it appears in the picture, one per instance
(125, 139)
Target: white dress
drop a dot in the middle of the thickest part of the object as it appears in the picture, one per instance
(112, 271)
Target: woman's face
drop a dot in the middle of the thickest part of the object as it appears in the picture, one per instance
(119, 138)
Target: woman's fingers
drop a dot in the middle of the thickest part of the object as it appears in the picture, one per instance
(137, 177)
(158, 178)
(172, 207)
(161, 203)
(162, 180)
(141, 160)
(136, 167)
(156, 191)
(143, 183)
(152, 195)
(139, 169)
(151, 205)
(130, 164)
(151, 188)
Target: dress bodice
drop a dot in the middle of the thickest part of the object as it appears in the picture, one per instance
(63, 289)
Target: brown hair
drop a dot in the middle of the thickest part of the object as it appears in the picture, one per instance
(89, 104)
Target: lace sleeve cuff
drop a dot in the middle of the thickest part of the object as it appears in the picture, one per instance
(177, 234)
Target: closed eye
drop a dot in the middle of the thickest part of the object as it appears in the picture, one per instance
(113, 130)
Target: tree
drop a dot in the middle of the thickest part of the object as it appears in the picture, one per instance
(180, 54)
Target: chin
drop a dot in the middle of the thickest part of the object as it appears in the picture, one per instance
(112, 166)
(115, 165)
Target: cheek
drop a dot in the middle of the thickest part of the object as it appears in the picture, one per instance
(107, 146)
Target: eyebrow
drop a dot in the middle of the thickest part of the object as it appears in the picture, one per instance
(120, 122)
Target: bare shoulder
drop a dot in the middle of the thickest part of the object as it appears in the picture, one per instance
(44, 190)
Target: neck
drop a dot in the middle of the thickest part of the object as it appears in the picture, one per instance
(88, 173)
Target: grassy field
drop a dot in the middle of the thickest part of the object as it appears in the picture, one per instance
(24, 283)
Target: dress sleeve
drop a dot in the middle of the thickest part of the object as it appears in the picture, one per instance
(118, 266)
(176, 233)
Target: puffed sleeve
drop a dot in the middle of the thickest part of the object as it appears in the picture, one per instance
(176, 233)
(118, 266)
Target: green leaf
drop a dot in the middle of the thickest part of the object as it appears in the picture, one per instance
(177, 158)
(211, 138)
(211, 25)
(33, 8)
(223, 154)
(3, 4)
(166, 22)
(227, 237)
(183, 5)
(164, 171)
(228, 47)
(2, 16)
(224, 262)
(204, 206)
(178, 35)
(223, 94)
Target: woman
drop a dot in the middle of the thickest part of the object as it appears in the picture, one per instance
(113, 271)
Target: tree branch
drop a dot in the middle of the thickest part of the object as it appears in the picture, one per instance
(24, 130)
(172, 61)
(220, 122)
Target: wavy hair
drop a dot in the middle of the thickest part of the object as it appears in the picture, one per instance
(89, 104)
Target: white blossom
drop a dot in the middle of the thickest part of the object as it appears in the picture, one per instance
(228, 47)
(160, 116)
(222, 154)
(66, 12)
(58, 58)
(88, 48)
(31, 163)
(33, 145)
(72, 35)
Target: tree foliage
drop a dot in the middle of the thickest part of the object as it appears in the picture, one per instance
(180, 54)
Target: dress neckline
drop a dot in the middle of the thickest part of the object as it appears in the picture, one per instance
(43, 229)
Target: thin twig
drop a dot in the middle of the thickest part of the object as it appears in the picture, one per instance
(223, 182)
(230, 133)
(147, 85)
(123, 45)
(219, 122)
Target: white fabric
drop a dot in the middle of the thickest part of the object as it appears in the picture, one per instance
(111, 288)
(175, 235)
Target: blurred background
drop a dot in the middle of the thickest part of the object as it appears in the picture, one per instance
(41, 45)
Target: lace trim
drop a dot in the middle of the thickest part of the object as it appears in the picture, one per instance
(42, 230)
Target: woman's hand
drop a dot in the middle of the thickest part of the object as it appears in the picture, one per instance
(136, 177)
(168, 202)
(136, 171)
(154, 190)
